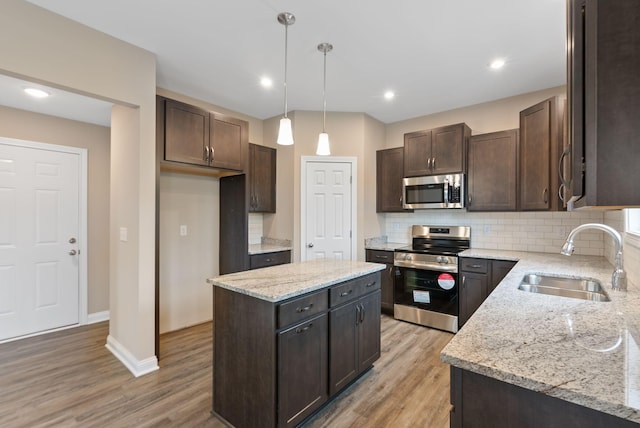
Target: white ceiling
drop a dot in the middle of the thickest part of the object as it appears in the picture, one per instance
(433, 54)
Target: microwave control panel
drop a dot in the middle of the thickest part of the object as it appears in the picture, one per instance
(454, 194)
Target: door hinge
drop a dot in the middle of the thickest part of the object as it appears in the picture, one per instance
(350, 234)
(351, 179)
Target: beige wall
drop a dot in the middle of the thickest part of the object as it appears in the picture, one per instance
(482, 118)
(44, 47)
(30, 126)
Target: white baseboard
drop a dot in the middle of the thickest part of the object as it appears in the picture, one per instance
(135, 366)
(97, 317)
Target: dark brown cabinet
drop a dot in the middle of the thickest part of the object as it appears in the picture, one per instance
(436, 151)
(355, 339)
(386, 277)
(482, 402)
(257, 261)
(276, 363)
(389, 174)
(302, 370)
(195, 136)
(479, 277)
(604, 102)
(541, 143)
(262, 179)
(493, 171)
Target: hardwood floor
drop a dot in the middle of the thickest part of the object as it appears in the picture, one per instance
(69, 379)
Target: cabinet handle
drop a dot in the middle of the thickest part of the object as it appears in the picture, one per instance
(357, 314)
(433, 163)
(561, 170)
(256, 201)
(464, 279)
(560, 192)
(305, 309)
(205, 154)
(429, 163)
(475, 266)
(371, 284)
(544, 194)
(267, 260)
(381, 257)
(361, 314)
(469, 202)
(212, 152)
(346, 293)
(303, 329)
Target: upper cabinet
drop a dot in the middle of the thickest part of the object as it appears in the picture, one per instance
(604, 102)
(541, 131)
(389, 173)
(194, 136)
(493, 171)
(262, 179)
(436, 151)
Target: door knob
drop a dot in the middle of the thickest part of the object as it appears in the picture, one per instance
(310, 245)
(72, 240)
(72, 253)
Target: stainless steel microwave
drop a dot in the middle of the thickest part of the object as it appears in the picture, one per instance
(433, 191)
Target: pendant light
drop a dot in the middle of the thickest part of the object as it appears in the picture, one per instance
(323, 148)
(285, 134)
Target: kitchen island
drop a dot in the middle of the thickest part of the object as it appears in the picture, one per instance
(529, 360)
(288, 338)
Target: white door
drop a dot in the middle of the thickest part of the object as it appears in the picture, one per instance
(39, 227)
(328, 211)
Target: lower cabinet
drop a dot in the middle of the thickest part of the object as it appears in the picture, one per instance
(302, 369)
(479, 277)
(274, 364)
(257, 261)
(483, 402)
(387, 277)
(355, 339)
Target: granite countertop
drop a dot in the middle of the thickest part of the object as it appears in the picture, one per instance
(580, 351)
(381, 243)
(282, 282)
(267, 248)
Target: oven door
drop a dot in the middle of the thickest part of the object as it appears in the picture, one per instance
(427, 290)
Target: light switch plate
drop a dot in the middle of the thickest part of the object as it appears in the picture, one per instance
(183, 230)
(123, 234)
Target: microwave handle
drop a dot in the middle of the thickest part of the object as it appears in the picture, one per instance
(446, 193)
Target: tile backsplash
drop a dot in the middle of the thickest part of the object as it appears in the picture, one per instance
(255, 228)
(519, 231)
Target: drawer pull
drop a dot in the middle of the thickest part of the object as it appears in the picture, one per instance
(305, 309)
(371, 284)
(345, 293)
(476, 266)
(267, 260)
(381, 257)
(303, 329)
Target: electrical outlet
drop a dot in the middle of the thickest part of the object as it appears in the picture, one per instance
(396, 227)
(486, 229)
(562, 231)
(183, 230)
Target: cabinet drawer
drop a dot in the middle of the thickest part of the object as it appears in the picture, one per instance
(257, 261)
(349, 290)
(301, 307)
(474, 265)
(380, 256)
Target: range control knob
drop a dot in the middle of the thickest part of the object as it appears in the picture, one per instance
(439, 259)
(445, 260)
(409, 257)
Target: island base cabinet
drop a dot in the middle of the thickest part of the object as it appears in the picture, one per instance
(355, 340)
(302, 370)
(483, 402)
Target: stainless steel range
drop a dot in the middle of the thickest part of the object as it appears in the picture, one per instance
(426, 283)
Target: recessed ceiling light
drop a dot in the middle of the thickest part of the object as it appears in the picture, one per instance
(266, 82)
(497, 64)
(389, 95)
(37, 93)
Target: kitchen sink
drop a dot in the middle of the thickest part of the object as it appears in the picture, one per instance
(578, 288)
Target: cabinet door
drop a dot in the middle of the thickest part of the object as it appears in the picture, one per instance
(262, 171)
(228, 142)
(302, 370)
(389, 174)
(343, 346)
(472, 294)
(493, 161)
(186, 133)
(368, 331)
(417, 153)
(448, 149)
(499, 269)
(540, 144)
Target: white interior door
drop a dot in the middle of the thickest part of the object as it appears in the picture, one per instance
(39, 233)
(328, 210)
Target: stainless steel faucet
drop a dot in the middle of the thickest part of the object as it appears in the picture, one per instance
(619, 278)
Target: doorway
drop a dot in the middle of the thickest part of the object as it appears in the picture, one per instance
(328, 208)
(43, 283)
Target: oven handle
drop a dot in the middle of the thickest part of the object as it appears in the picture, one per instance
(426, 266)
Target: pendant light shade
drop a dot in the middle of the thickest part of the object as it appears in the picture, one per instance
(285, 133)
(323, 148)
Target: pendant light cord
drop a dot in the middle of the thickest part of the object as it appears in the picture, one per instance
(324, 93)
(286, 30)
